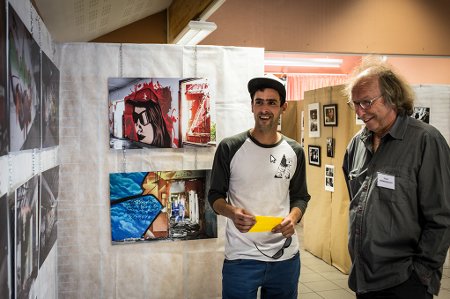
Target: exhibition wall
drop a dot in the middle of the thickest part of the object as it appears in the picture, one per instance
(89, 265)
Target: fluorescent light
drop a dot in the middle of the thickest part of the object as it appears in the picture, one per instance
(194, 32)
(305, 62)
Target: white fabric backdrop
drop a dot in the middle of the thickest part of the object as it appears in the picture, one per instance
(89, 266)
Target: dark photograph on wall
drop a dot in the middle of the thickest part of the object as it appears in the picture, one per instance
(330, 116)
(5, 258)
(4, 112)
(50, 103)
(160, 113)
(47, 214)
(163, 205)
(422, 113)
(314, 155)
(24, 86)
(26, 237)
(330, 147)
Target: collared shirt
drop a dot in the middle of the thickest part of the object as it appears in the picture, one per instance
(400, 206)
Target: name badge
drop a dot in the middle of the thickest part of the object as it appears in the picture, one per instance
(386, 181)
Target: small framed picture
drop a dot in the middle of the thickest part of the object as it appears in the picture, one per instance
(330, 147)
(314, 155)
(314, 120)
(330, 116)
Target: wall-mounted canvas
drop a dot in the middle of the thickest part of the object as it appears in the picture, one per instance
(24, 86)
(160, 112)
(26, 237)
(5, 257)
(48, 214)
(50, 102)
(160, 205)
(313, 120)
(4, 112)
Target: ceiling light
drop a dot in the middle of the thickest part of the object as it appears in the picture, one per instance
(305, 62)
(194, 32)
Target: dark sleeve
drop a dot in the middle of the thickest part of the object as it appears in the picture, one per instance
(298, 190)
(434, 200)
(220, 174)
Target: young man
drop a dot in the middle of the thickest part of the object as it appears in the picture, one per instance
(260, 172)
(398, 172)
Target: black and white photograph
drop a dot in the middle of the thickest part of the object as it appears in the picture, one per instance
(330, 147)
(330, 115)
(422, 113)
(314, 155)
(329, 178)
(314, 120)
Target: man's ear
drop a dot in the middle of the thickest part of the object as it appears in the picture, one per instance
(284, 106)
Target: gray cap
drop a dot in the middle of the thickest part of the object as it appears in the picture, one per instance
(268, 81)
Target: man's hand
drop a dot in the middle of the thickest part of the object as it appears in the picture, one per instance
(287, 226)
(242, 219)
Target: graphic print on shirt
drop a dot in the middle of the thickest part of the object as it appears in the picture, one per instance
(284, 169)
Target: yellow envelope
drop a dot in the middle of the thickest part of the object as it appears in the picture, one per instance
(265, 223)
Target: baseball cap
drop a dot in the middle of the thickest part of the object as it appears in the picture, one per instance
(268, 81)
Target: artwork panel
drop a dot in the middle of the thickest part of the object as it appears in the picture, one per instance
(5, 256)
(314, 120)
(314, 155)
(330, 147)
(329, 178)
(422, 113)
(48, 212)
(24, 86)
(26, 237)
(330, 116)
(4, 111)
(198, 127)
(160, 112)
(151, 206)
(50, 103)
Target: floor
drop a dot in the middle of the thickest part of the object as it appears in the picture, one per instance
(320, 280)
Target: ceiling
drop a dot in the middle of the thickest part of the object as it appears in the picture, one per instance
(85, 20)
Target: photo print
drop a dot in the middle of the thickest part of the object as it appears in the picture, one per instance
(4, 112)
(330, 147)
(163, 205)
(26, 237)
(314, 120)
(330, 115)
(329, 178)
(5, 256)
(50, 103)
(47, 214)
(160, 112)
(314, 155)
(422, 113)
(24, 86)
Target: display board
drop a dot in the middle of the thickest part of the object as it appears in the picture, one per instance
(326, 219)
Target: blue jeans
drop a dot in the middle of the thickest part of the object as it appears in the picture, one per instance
(241, 279)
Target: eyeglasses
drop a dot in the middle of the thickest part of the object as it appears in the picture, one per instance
(366, 104)
(143, 117)
(280, 252)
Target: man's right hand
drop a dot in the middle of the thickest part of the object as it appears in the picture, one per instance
(242, 219)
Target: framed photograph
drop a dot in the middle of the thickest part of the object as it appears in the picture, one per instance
(330, 115)
(314, 155)
(330, 147)
(314, 120)
(422, 113)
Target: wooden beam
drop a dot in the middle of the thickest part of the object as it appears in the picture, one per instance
(180, 12)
